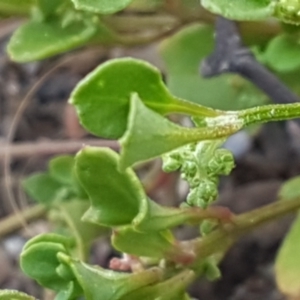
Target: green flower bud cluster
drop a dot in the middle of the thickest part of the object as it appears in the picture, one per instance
(203, 194)
(200, 165)
(288, 11)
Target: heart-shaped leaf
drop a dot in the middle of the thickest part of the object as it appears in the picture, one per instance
(116, 197)
(102, 98)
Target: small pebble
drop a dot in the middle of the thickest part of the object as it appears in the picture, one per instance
(13, 245)
(239, 144)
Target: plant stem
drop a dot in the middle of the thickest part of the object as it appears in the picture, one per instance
(125, 23)
(144, 39)
(248, 221)
(81, 247)
(18, 150)
(230, 56)
(14, 222)
(220, 240)
(270, 113)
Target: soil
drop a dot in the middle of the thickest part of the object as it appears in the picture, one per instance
(271, 157)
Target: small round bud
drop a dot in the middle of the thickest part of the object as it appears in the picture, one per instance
(170, 164)
(222, 163)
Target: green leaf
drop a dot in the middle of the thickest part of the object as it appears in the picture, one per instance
(58, 185)
(290, 189)
(170, 289)
(241, 9)
(51, 238)
(109, 284)
(153, 244)
(101, 6)
(68, 293)
(43, 188)
(102, 98)
(283, 53)
(291, 80)
(14, 295)
(115, 197)
(15, 7)
(83, 232)
(39, 261)
(287, 265)
(39, 40)
(183, 53)
(149, 135)
(210, 268)
(61, 169)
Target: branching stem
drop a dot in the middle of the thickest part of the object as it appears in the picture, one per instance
(220, 240)
(15, 222)
(231, 56)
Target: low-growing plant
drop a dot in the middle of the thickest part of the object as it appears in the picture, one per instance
(97, 192)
